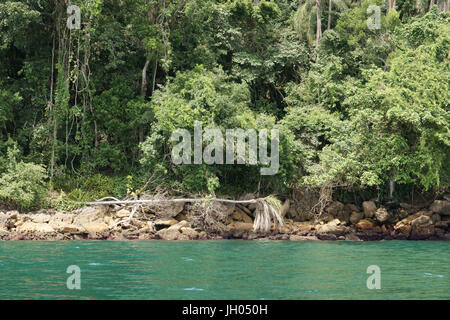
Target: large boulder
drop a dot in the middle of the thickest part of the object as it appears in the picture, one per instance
(333, 227)
(33, 227)
(335, 208)
(382, 215)
(191, 233)
(355, 217)
(240, 215)
(95, 226)
(422, 221)
(60, 221)
(168, 209)
(441, 206)
(179, 225)
(168, 234)
(365, 224)
(164, 223)
(369, 208)
(41, 218)
(89, 214)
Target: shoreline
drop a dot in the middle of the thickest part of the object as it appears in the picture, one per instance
(180, 222)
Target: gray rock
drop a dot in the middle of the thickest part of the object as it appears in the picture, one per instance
(355, 217)
(369, 208)
(441, 206)
(382, 215)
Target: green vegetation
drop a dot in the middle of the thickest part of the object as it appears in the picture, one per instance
(86, 113)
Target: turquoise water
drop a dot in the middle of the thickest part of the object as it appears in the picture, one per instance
(227, 269)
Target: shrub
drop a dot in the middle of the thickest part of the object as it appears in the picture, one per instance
(23, 184)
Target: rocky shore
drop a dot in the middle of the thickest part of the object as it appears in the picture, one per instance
(338, 222)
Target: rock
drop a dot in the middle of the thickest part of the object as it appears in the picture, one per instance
(40, 218)
(344, 216)
(244, 226)
(61, 217)
(334, 208)
(435, 218)
(164, 223)
(72, 229)
(123, 213)
(352, 237)
(29, 226)
(95, 226)
(13, 214)
(326, 217)
(355, 217)
(422, 233)
(332, 227)
(180, 225)
(168, 234)
(365, 224)
(441, 206)
(382, 215)
(239, 215)
(369, 209)
(422, 221)
(350, 207)
(89, 214)
(61, 221)
(191, 233)
(168, 209)
(294, 237)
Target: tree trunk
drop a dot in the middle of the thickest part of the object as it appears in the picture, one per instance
(329, 15)
(52, 117)
(144, 79)
(318, 22)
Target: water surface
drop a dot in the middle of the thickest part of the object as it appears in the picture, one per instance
(226, 269)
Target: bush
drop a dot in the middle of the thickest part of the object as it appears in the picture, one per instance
(23, 184)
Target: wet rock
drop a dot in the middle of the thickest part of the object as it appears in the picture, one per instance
(369, 209)
(352, 237)
(441, 206)
(294, 237)
(382, 215)
(355, 217)
(422, 233)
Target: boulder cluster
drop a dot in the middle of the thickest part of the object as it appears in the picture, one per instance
(174, 222)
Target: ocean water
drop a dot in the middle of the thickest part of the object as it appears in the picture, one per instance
(226, 269)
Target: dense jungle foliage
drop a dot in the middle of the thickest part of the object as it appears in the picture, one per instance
(89, 112)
